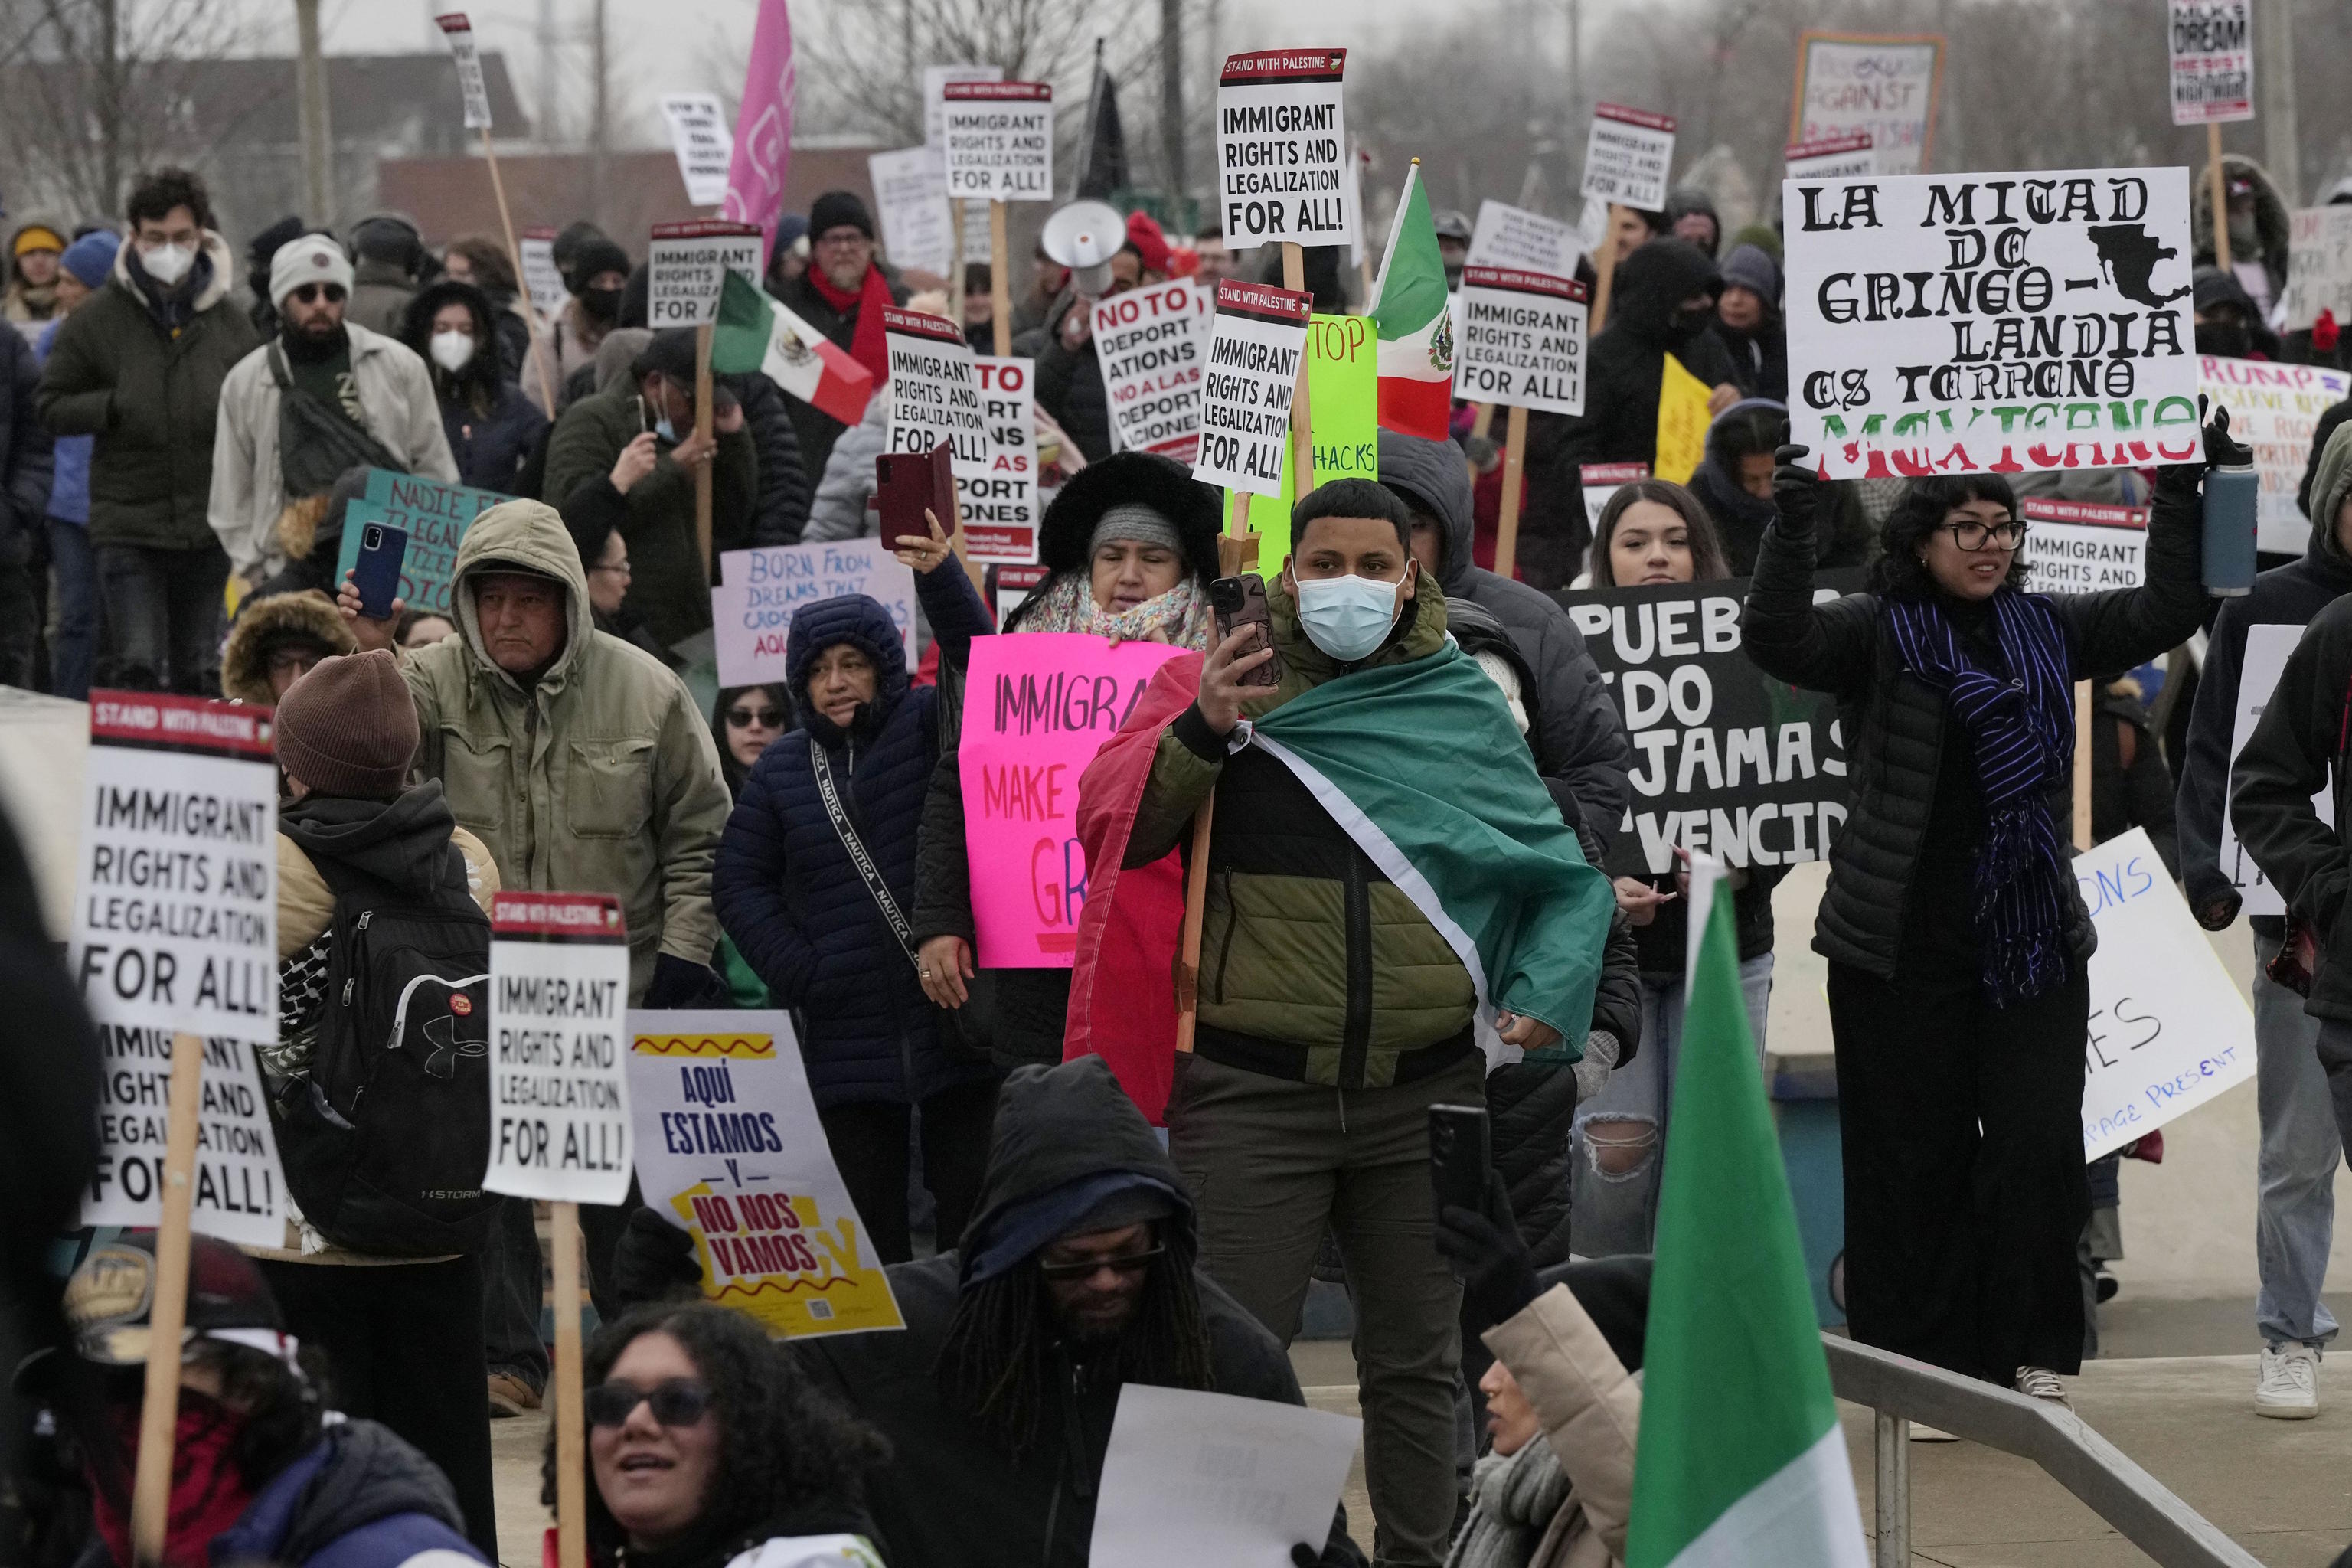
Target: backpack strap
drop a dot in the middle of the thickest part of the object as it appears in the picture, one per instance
(866, 871)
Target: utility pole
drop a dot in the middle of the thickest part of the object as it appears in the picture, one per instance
(310, 87)
(2274, 68)
(600, 130)
(1573, 133)
(1172, 98)
(547, 74)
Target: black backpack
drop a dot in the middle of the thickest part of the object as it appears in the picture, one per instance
(387, 1141)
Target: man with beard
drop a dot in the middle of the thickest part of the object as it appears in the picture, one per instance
(842, 294)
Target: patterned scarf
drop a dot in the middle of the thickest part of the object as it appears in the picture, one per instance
(1180, 618)
(2019, 717)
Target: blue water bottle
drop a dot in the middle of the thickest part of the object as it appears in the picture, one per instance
(2230, 515)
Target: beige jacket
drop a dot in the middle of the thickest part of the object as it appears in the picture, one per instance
(1590, 1409)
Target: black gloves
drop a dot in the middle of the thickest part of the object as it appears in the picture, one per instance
(1486, 1250)
(680, 983)
(654, 1259)
(1796, 489)
(2220, 450)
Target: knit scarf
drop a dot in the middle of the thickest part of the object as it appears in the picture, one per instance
(1512, 1501)
(1180, 618)
(2019, 720)
(869, 301)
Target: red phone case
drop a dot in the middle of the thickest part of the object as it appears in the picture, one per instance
(907, 484)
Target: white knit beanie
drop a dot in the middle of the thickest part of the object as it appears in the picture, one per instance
(313, 258)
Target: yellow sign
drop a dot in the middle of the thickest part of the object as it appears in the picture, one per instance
(1682, 419)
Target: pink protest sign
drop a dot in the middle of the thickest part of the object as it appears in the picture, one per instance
(1036, 708)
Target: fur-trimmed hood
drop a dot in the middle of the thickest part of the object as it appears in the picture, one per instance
(215, 287)
(1160, 483)
(267, 624)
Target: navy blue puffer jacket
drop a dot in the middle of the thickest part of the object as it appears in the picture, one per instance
(786, 889)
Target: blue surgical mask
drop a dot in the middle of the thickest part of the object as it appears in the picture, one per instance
(1346, 617)
(665, 430)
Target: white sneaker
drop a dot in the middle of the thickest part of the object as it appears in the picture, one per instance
(2041, 1382)
(2288, 1389)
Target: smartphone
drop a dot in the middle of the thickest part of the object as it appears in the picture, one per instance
(909, 484)
(376, 572)
(1458, 1156)
(1241, 602)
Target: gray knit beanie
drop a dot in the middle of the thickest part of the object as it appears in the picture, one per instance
(1134, 521)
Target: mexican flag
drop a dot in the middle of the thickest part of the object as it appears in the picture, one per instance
(755, 334)
(1416, 325)
(1740, 1459)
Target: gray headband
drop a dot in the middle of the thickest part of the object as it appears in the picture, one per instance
(1134, 521)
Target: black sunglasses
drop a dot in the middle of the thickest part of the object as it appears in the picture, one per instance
(308, 293)
(766, 718)
(676, 1402)
(1126, 1263)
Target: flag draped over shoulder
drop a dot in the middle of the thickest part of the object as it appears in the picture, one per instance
(1415, 320)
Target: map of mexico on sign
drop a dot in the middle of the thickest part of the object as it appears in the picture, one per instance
(1282, 149)
(1990, 322)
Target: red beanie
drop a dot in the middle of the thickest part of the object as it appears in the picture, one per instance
(1145, 235)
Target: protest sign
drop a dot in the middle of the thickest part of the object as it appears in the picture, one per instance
(1150, 358)
(1010, 587)
(1510, 236)
(2169, 1029)
(935, 81)
(1684, 415)
(1343, 414)
(1832, 158)
(752, 607)
(729, 1151)
(1522, 340)
(2319, 265)
(1627, 155)
(1257, 334)
(540, 274)
(1193, 1478)
(2212, 48)
(2083, 547)
(2259, 669)
(911, 197)
(697, 133)
(1036, 708)
(1352, 190)
(558, 1019)
(689, 263)
(998, 139)
(462, 47)
(435, 515)
(2274, 409)
(239, 1187)
(1884, 86)
(1601, 480)
(1282, 149)
(1725, 759)
(935, 394)
(1000, 509)
(1983, 323)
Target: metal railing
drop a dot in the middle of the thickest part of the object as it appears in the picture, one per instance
(1900, 1391)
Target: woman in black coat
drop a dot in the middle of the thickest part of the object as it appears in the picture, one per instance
(491, 426)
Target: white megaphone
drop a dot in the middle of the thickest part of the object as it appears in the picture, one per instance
(1083, 236)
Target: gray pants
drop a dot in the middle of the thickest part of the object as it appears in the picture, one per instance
(2294, 1172)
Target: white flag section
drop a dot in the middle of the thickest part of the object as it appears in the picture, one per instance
(1193, 1479)
(751, 610)
(2168, 1028)
(2259, 669)
(469, 56)
(1001, 512)
(1148, 345)
(697, 134)
(1522, 340)
(1514, 237)
(240, 1187)
(559, 1016)
(910, 198)
(2083, 547)
(1627, 155)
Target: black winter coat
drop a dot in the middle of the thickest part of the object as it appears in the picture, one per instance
(492, 448)
(815, 430)
(2298, 749)
(1070, 387)
(785, 488)
(27, 465)
(1894, 722)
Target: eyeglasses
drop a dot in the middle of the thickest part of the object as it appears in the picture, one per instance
(1126, 1263)
(841, 239)
(765, 718)
(620, 569)
(308, 293)
(1977, 535)
(675, 1401)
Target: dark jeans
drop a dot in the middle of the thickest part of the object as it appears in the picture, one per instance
(404, 1346)
(1964, 1188)
(75, 612)
(514, 1283)
(20, 609)
(164, 617)
(869, 1143)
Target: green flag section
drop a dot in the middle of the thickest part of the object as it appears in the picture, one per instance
(755, 335)
(1343, 401)
(1416, 321)
(1741, 1459)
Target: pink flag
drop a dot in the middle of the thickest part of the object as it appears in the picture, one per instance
(763, 126)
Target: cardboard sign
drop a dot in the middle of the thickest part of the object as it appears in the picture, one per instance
(1522, 340)
(999, 139)
(936, 82)
(751, 609)
(559, 1021)
(689, 263)
(1000, 509)
(1832, 158)
(1884, 86)
(2083, 547)
(1150, 357)
(1343, 400)
(1256, 336)
(2274, 409)
(460, 34)
(435, 515)
(1513, 237)
(697, 134)
(2211, 49)
(1627, 156)
(240, 1186)
(729, 1151)
(1282, 149)
(2264, 660)
(1990, 322)
(910, 198)
(2169, 1029)
(540, 273)
(1601, 480)
(2319, 265)
(1725, 759)
(1193, 1478)
(1036, 708)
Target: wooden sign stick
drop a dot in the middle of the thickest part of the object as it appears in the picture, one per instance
(159, 1411)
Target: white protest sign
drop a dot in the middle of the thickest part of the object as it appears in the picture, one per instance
(934, 392)
(2319, 265)
(1258, 334)
(1282, 149)
(729, 1151)
(460, 34)
(1832, 158)
(2169, 1029)
(2083, 547)
(1990, 322)
(2211, 47)
(1193, 1478)
(1882, 86)
(1353, 192)
(1514, 237)
(910, 198)
(1145, 343)
(697, 131)
(1013, 586)
(1000, 509)
(935, 81)
(2259, 669)
(540, 273)
(689, 263)
(1522, 340)
(2274, 409)
(997, 140)
(1627, 156)
(239, 1187)
(752, 606)
(559, 1021)
(1601, 480)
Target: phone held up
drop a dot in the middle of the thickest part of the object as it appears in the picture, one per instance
(1241, 602)
(376, 570)
(1458, 1156)
(909, 484)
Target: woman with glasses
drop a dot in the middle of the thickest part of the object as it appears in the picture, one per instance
(708, 1444)
(1956, 936)
(745, 722)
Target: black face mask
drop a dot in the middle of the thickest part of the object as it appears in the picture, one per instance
(600, 304)
(2228, 340)
(1684, 325)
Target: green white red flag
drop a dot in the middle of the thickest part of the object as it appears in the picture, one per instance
(1415, 322)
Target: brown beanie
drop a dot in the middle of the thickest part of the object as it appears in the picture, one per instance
(348, 727)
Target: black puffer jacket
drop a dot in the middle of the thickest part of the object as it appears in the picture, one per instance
(1894, 721)
(1070, 384)
(786, 488)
